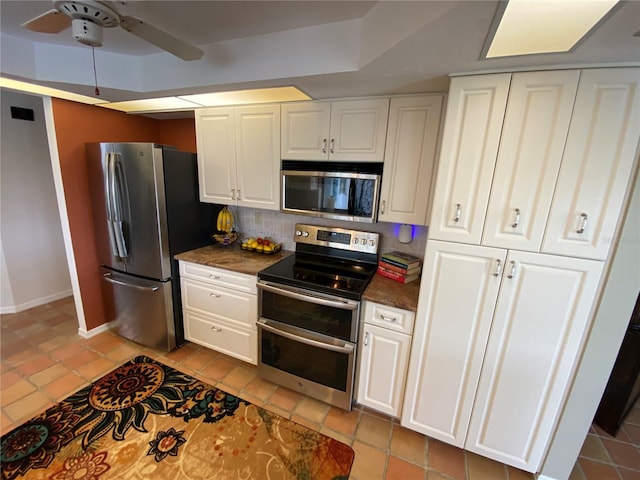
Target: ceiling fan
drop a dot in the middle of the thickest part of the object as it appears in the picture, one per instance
(88, 17)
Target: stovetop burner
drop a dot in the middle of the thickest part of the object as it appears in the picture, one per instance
(329, 260)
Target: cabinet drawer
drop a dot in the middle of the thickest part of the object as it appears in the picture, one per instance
(219, 276)
(390, 318)
(223, 303)
(221, 336)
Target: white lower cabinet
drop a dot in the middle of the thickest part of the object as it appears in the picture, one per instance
(384, 356)
(498, 334)
(220, 310)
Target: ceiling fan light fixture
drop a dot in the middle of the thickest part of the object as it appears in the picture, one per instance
(86, 32)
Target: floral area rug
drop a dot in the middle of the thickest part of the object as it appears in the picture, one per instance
(145, 420)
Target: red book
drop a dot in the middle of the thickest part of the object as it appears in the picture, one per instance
(396, 276)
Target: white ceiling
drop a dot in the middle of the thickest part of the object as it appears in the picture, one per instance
(327, 48)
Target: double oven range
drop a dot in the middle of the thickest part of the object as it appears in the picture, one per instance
(309, 309)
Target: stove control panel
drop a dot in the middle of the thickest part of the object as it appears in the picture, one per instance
(342, 238)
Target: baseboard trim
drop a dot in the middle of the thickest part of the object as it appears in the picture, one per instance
(36, 303)
(105, 327)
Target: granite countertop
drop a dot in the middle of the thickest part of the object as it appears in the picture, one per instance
(232, 258)
(394, 294)
(380, 290)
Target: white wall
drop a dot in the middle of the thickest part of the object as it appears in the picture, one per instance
(610, 322)
(35, 263)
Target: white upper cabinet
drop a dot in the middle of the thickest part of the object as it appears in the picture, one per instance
(533, 137)
(409, 160)
(348, 130)
(239, 155)
(216, 144)
(475, 111)
(597, 164)
(258, 156)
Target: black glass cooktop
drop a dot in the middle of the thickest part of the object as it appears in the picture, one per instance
(339, 277)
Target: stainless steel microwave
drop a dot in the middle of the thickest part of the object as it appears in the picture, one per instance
(338, 190)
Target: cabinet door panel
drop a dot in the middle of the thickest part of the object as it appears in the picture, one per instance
(383, 368)
(305, 130)
(533, 138)
(258, 156)
(597, 163)
(215, 138)
(457, 297)
(470, 142)
(409, 160)
(358, 130)
(539, 325)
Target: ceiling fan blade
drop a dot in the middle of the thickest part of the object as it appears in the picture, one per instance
(49, 22)
(161, 39)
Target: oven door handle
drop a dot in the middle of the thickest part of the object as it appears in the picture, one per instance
(348, 349)
(309, 297)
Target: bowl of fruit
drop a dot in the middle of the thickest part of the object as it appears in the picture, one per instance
(261, 245)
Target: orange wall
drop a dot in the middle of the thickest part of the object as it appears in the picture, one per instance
(180, 133)
(77, 124)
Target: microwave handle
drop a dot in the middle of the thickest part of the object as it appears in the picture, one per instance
(308, 297)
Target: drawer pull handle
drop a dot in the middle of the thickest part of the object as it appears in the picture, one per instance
(388, 319)
(512, 273)
(332, 145)
(383, 205)
(458, 212)
(215, 295)
(324, 145)
(216, 329)
(516, 220)
(214, 277)
(583, 223)
(498, 268)
(366, 339)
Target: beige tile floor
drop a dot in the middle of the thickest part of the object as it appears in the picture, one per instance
(43, 360)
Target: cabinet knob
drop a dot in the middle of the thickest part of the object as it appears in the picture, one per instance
(458, 212)
(516, 219)
(583, 223)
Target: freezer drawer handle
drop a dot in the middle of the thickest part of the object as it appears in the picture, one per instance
(110, 279)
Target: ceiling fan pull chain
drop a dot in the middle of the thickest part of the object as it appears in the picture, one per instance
(95, 74)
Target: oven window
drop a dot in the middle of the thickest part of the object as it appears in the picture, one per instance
(327, 320)
(312, 363)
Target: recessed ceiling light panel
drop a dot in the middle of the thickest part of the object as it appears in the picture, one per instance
(545, 26)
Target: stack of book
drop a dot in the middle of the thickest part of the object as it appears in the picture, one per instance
(399, 266)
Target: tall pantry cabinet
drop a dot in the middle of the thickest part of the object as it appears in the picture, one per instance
(532, 177)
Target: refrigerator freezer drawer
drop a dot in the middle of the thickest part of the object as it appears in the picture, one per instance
(140, 309)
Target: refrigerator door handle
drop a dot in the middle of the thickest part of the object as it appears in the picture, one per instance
(108, 188)
(117, 186)
(110, 279)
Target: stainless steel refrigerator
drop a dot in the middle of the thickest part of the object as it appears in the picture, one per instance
(146, 209)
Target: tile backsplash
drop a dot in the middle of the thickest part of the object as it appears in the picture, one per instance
(252, 222)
